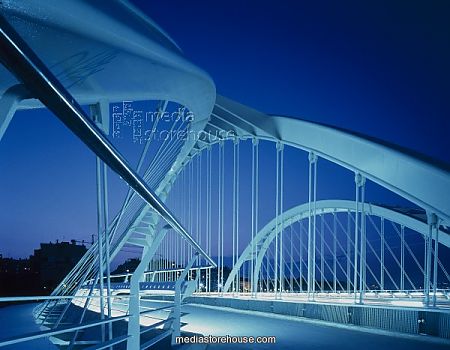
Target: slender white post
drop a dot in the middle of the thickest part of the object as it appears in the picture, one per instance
(402, 257)
(362, 265)
(427, 258)
(359, 182)
(348, 252)
(107, 247)
(334, 253)
(322, 262)
(100, 243)
(252, 263)
(134, 328)
(436, 260)
(382, 255)
(277, 212)
(312, 158)
(280, 151)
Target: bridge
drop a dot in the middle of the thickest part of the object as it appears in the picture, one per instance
(226, 207)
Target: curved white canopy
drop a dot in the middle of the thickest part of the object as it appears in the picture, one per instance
(413, 177)
(107, 51)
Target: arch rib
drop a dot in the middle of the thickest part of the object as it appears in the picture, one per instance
(265, 236)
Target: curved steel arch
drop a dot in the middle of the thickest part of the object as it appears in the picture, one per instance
(268, 232)
(420, 180)
(127, 57)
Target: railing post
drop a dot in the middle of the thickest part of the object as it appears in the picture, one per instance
(432, 223)
(359, 206)
(312, 158)
(382, 254)
(362, 265)
(176, 324)
(347, 254)
(100, 243)
(402, 258)
(436, 259)
(255, 196)
(134, 327)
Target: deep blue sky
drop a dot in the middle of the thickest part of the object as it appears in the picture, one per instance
(380, 69)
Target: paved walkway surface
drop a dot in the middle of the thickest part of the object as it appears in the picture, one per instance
(293, 334)
(290, 333)
(18, 320)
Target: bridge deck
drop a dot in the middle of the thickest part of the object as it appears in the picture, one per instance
(294, 333)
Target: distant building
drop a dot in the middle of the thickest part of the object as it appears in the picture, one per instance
(53, 261)
(17, 277)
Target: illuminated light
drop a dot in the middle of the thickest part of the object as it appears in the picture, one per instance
(408, 303)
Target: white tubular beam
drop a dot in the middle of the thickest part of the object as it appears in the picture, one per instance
(347, 253)
(281, 183)
(435, 262)
(100, 242)
(418, 179)
(134, 330)
(382, 253)
(362, 265)
(21, 61)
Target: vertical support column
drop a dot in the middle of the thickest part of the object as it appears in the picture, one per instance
(254, 253)
(235, 227)
(402, 257)
(222, 210)
(100, 211)
(334, 253)
(280, 149)
(209, 206)
(134, 328)
(436, 260)
(185, 213)
(219, 211)
(347, 254)
(238, 275)
(178, 298)
(301, 254)
(107, 247)
(190, 210)
(312, 158)
(322, 261)
(277, 218)
(362, 265)
(427, 257)
(198, 208)
(291, 265)
(359, 183)
(100, 245)
(234, 212)
(382, 255)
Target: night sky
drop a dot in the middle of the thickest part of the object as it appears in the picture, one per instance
(379, 68)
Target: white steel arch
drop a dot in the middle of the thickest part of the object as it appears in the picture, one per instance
(266, 235)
